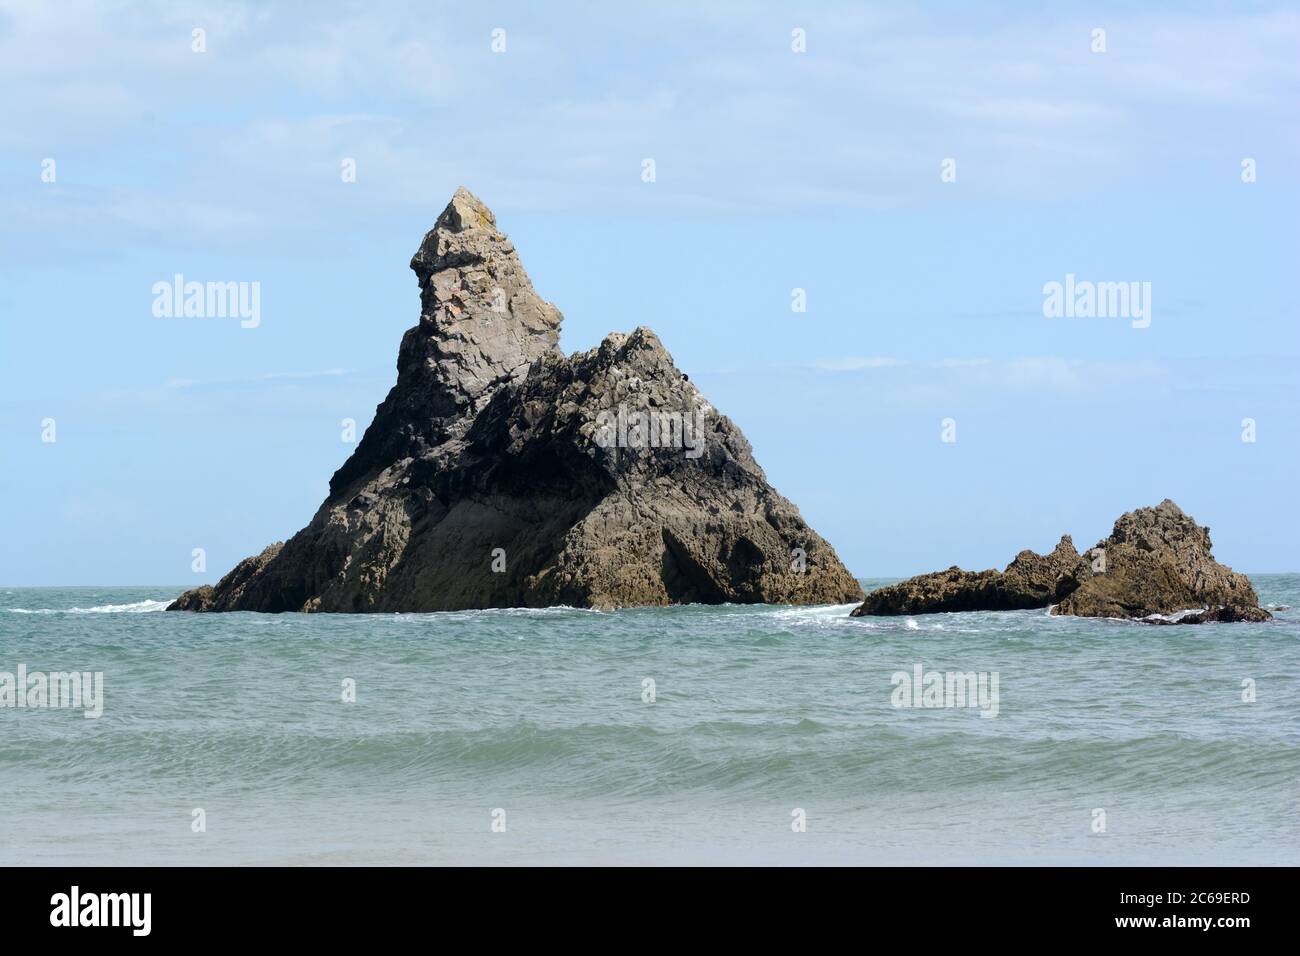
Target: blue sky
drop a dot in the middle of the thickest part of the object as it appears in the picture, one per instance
(775, 170)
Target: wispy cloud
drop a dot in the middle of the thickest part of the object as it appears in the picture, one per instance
(854, 363)
(270, 378)
(731, 115)
(1032, 373)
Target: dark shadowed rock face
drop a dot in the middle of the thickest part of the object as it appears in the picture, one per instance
(498, 472)
(1031, 580)
(1155, 566)
(1159, 561)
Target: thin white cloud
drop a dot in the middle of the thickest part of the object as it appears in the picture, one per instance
(1056, 374)
(564, 118)
(270, 377)
(854, 363)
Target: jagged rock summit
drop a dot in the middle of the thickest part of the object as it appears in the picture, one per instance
(1155, 566)
(500, 473)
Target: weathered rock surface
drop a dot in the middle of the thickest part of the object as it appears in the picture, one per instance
(498, 473)
(1159, 561)
(1030, 580)
(1156, 566)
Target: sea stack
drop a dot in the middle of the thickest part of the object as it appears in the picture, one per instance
(1156, 566)
(500, 473)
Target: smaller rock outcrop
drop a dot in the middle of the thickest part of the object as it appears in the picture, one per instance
(1030, 580)
(233, 585)
(1158, 561)
(1156, 566)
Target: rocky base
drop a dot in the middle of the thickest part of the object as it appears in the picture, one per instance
(1222, 615)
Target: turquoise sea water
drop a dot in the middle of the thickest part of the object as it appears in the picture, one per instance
(758, 712)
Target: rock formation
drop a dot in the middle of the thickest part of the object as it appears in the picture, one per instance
(1156, 566)
(500, 473)
(1158, 561)
(1030, 580)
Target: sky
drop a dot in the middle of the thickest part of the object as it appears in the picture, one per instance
(920, 171)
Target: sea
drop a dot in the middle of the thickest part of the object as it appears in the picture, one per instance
(701, 735)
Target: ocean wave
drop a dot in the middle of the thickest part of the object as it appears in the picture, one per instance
(138, 607)
(724, 755)
(1176, 616)
(806, 612)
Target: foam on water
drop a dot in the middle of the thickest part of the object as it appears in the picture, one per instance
(135, 607)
